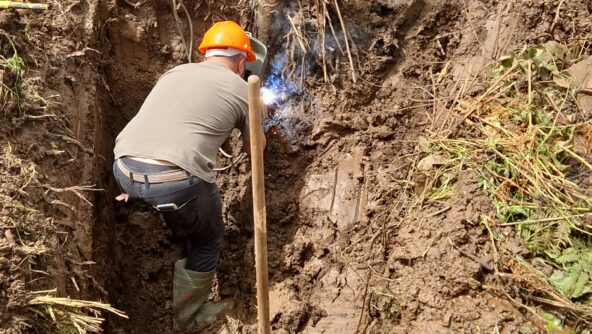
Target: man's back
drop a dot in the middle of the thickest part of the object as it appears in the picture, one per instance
(186, 117)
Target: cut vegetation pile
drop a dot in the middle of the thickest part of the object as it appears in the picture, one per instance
(530, 144)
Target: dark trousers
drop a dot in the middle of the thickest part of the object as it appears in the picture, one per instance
(198, 216)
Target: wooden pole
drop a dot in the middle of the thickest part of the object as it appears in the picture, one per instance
(23, 5)
(256, 131)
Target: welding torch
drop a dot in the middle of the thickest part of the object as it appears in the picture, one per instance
(22, 5)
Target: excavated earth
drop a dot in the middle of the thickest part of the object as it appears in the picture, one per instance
(347, 251)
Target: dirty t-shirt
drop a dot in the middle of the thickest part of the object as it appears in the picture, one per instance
(187, 116)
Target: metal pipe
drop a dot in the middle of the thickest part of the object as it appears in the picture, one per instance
(256, 129)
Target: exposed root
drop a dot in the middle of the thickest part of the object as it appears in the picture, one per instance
(346, 37)
(304, 42)
(71, 141)
(74, 189)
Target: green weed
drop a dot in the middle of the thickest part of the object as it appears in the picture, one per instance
(17, 66)
(519, 140)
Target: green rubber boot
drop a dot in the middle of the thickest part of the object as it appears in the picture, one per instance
(190, 291)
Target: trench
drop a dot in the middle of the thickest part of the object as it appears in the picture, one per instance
(135, 253)
(324, 191)
(137, 250)
(134, 250)
(349, 249)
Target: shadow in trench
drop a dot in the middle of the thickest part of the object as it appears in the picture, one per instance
(284, 178)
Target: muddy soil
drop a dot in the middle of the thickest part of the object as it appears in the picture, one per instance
(350, 248)
(50, 128)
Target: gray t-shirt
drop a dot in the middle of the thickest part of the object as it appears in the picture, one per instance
(187, 116)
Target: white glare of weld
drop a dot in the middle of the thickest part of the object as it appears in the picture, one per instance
(268, 95)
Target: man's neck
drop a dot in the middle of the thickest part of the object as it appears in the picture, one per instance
(221, 60)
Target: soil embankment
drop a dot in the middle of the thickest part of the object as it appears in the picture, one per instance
(354, 246)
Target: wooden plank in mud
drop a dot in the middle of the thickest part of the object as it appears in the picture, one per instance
(347, 202)
(341, 192)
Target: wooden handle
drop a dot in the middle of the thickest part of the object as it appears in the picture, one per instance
(256, 131)
(23, 5)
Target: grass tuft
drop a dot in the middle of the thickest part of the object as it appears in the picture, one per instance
(17, 66)
(527, 141)
(67, 315)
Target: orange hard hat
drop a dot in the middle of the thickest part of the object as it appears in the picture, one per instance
(227, 34)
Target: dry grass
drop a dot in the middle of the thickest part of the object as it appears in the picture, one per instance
(27, 231)
(525, 138)
(308, 36)
(67, 315)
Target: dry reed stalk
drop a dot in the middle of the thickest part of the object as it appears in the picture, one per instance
(68, 314)
(512, 137)
(346, 38)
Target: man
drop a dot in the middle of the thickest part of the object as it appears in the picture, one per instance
(166, 154)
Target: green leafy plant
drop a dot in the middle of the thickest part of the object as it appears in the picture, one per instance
(16, 64)
(554, 324)
(517, 138)
(574, 279)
